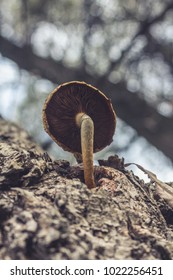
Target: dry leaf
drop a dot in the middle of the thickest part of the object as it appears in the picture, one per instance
(164, 190)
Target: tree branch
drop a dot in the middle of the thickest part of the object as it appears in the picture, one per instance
(144, 27)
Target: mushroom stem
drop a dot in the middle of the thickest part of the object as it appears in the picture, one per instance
(87, 139)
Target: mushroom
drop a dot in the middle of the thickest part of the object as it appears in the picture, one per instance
(81, 120)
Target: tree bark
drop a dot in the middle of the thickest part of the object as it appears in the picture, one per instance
(47, 212)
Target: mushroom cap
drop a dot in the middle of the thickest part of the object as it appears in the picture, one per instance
(65, 102)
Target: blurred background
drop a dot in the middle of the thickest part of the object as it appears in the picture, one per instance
(125, 48)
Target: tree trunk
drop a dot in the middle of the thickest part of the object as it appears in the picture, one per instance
(47, 212)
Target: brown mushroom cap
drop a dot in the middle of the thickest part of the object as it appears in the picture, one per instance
(61, 108)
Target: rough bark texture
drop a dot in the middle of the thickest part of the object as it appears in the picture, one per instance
(47, 212)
